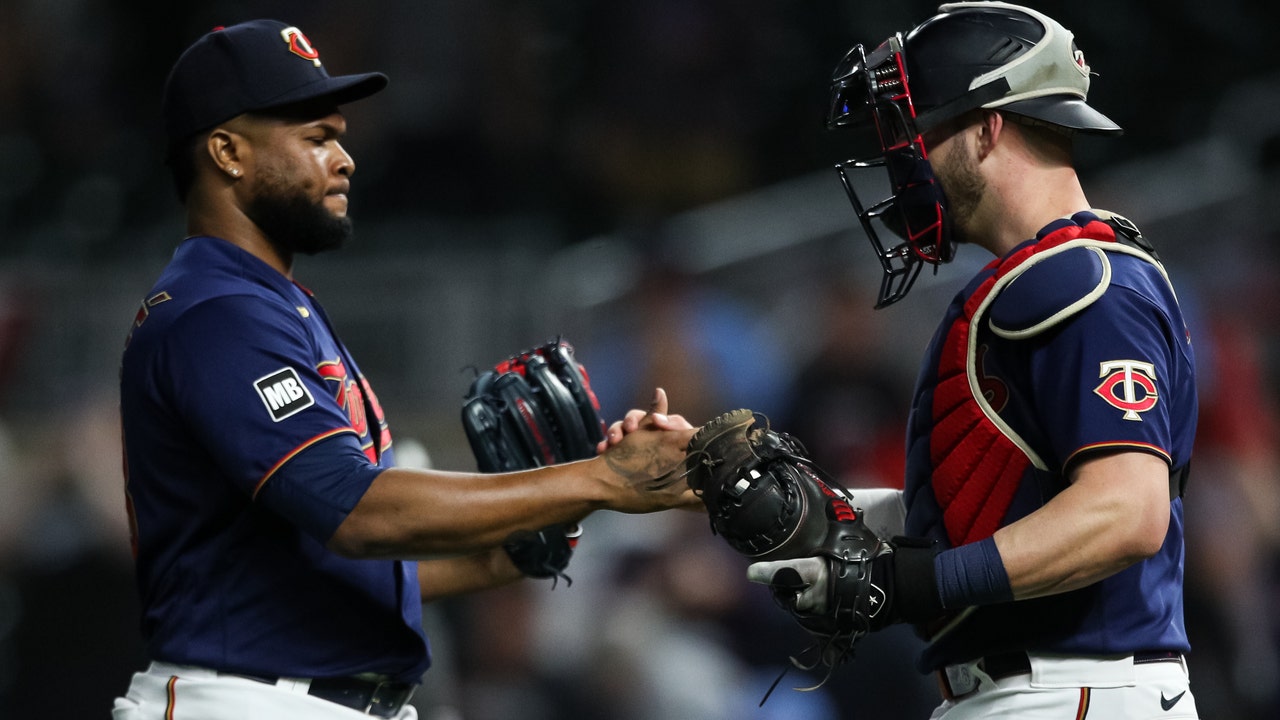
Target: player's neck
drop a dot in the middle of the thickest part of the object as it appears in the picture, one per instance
(232, 225)
(1023, 203)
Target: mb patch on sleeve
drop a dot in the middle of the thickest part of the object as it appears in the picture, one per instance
(283, 393)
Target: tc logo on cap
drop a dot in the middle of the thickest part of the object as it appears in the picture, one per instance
(299, 45)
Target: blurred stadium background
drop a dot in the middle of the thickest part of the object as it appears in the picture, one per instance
(652, 180)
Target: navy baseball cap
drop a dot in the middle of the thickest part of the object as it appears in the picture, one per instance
(252, 66)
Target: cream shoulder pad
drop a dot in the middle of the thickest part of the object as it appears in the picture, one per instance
(1049, 289)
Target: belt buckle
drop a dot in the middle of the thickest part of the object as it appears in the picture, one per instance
(373, 697)
(376, 699)
(960, 679)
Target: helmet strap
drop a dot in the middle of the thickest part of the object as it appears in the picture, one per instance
(974, 99)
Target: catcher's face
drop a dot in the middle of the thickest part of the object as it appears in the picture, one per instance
(954, 160)
(871, 93)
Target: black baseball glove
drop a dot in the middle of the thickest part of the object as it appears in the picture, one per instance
(533, 409)
(835, 576)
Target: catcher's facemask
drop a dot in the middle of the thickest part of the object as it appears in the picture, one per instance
(873, 89)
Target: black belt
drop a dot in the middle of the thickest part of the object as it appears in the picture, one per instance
(380, 698)
(1006, 665)
(1003, 665)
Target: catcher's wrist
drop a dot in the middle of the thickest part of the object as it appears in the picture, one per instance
(915, 580)
(973, 574)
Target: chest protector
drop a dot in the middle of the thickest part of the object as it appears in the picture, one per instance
(977, 460)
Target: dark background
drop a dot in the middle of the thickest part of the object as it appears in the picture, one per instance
(651, 178)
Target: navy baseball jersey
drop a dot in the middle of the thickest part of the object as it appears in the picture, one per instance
(1072, 344)
(249, 435)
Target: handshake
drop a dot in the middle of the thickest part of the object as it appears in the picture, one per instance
(824, 553)
(827, 560)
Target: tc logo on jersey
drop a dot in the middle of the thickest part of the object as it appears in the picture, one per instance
(283, 393)
(1128, 385)
(358, 400)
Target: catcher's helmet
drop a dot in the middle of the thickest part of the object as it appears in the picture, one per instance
(970, 55)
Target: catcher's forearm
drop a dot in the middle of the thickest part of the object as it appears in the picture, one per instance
(413, 512)
(445, 577)
(1114, 513)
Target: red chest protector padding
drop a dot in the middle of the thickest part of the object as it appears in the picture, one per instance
(977, 467)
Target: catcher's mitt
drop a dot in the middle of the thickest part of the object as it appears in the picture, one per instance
(774, 506)
(535, 408)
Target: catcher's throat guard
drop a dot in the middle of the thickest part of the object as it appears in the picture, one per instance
(873, 92)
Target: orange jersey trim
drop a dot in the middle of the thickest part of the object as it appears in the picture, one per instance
(293, 453)
(1119, 446)
(172, 699)
(1082, 710)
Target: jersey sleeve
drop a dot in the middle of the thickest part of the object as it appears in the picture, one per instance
(1103, 379)
(243, 376)
(320, 485)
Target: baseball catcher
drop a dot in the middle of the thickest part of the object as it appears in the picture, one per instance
(809, 542)
(533, 409)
